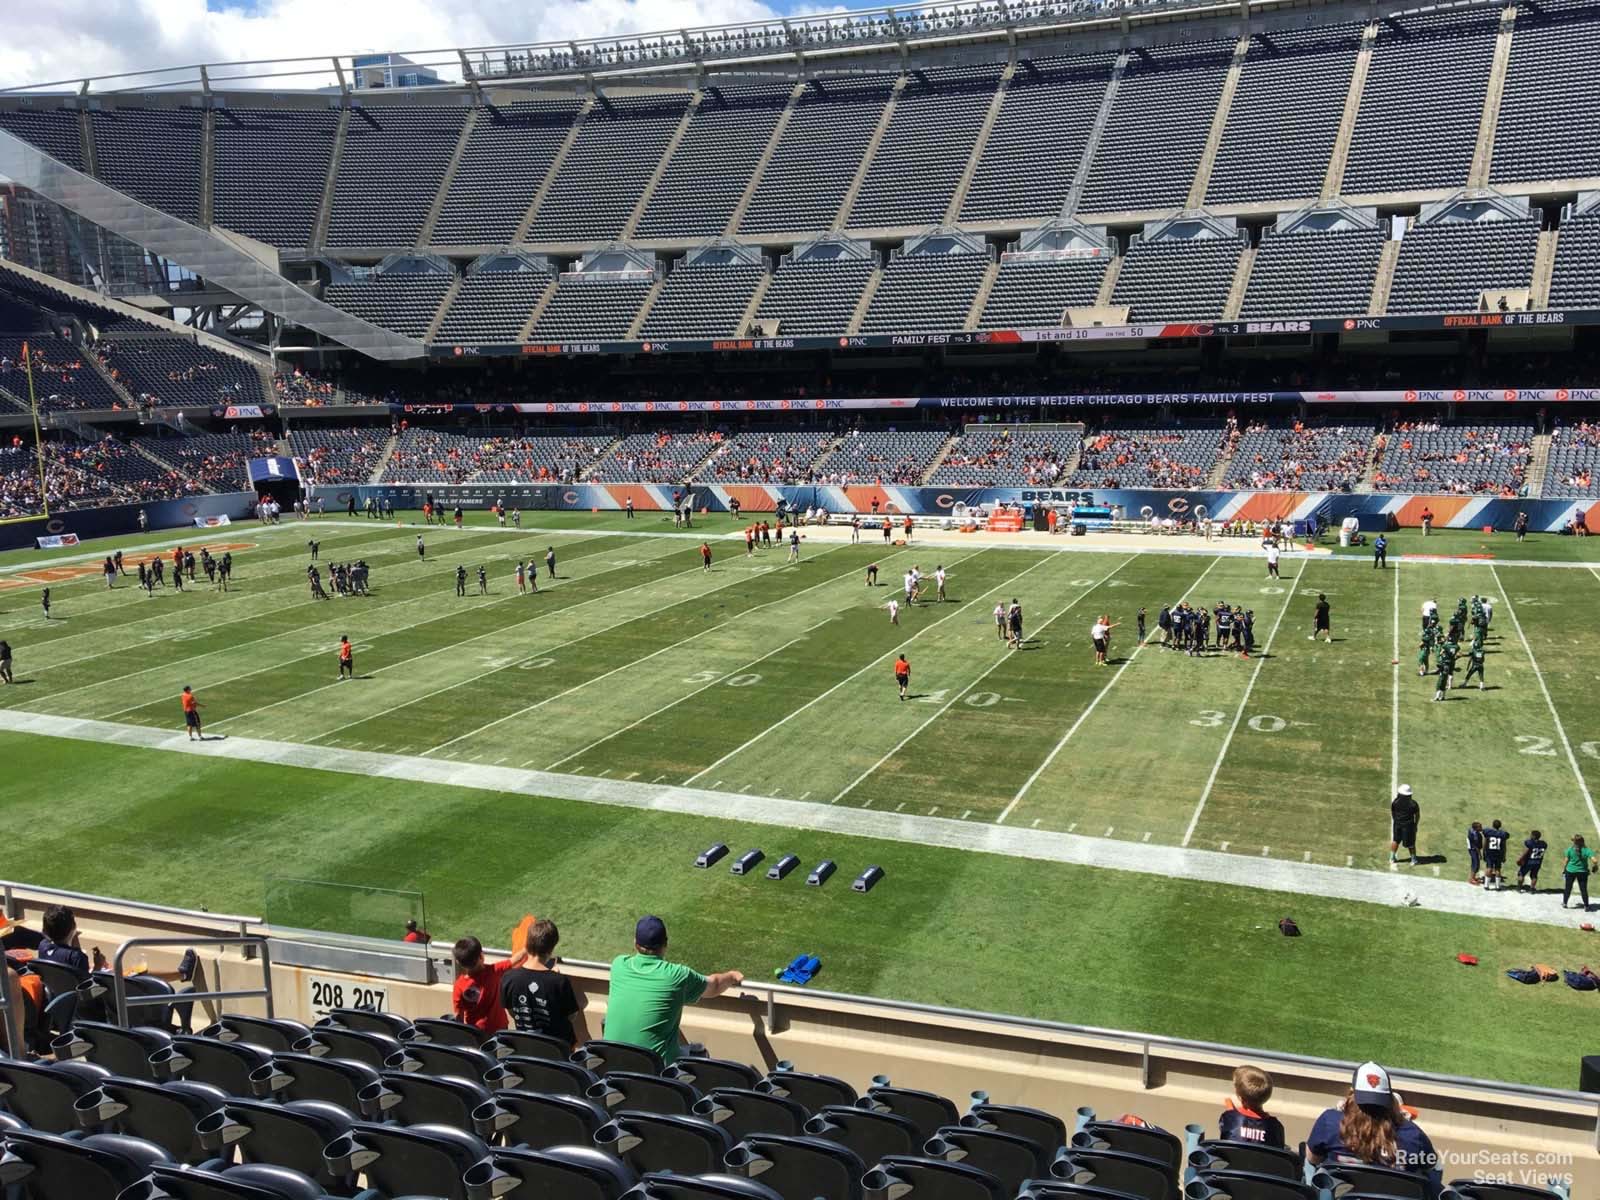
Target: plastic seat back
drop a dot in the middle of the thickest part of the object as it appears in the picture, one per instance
(1153, 1143)
(799, 1168)
(45, 1095)
(540, 1075)
(1375, 1181)
(332, 1041)
(658, 1142)
(270, 1033)
(124, 1052)
(871, 1135)
(702, 1187)
(538, 1120)
(708, 1074)
(163, 1113)
(414, 1099)
(227, 1065)
(291, 1134)
(367, 1020)
(568, 1172)
(644, 1093)
(927, 1111)
(1047, 1129)
(422, 1160)
(441, 1031)
(432, 1058)
(50, 1167)
(743, 1111)
(1011, 1159)
(603, 1057)
(813, 1091)
(302, 1077)
(1245, 1156)
(1116, 1170)
(930, 1179)
(510, 1042)
(1248, 1185)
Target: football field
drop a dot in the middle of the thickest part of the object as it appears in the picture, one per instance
(762, 692)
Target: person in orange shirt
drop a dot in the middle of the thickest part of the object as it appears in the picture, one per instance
(705, 555)
(908, 527)
(191, 714)
(902, 673)
(347, 657)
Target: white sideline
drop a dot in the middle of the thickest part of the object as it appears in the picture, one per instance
(994, 666)
(784, 720)
(1394, 712)
(1216, 767)
(1275, 875)
(1084, 715)
(1561, 729)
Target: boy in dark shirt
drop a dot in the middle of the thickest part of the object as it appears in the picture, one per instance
(1495, 840)
(1531, 860)
(1474, 851)
(1245, 1119)
(537, 997)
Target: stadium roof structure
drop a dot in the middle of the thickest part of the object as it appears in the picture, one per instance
(814, 39)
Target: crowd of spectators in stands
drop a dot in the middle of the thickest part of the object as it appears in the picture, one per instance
(1302, 457)
(1149, 452)
(779, 458)
(1029, 461)
(1464, 461)
(218, 461)
(339, 455)
(1585, 434)
(300, 388)
(58, 368)
(431, 455)
(80, 475)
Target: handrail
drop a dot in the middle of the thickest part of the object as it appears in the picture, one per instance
(11, 1014)
(838, 31)
(122, 1002)
(9, 889)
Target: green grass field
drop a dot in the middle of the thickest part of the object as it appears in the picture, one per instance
(758, 680)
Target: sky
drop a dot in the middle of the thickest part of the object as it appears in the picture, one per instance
(47, 40)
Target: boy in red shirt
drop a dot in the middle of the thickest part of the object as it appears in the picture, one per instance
(475, 999)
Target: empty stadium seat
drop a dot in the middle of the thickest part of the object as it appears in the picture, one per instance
(1370, 1180)
(421, 1160)
(270, 1033)
(256, 1181)
(518, 1117)
(288, 1134)
(659, 1142)
(367, 1020)
(870, 1135)
(45, 1095)
(121, 1051)
(465, 1062)
(541, 1075)
(1245, 1156)
(799, 1168)
(337, 1081)
(701, 1187)
(413, 1099)
(637, 1091)
(812, 1091)
(1445, 266)
(1045, 1129)
(163, 1113)
(927, 1111)
(1117, 1170)
(331, 1041)
(708, 1074)
(441, 1031)
(706, 175)
(1010, 1158)
(573, 1172)
(507, 156)
(527, 1044)
(603, 1057)
(424, 138)
(1247, 1185)
(930, 1179)
(50, 1167)
(230, 1066)
(744, 1111)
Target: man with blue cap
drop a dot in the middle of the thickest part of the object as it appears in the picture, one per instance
(647, 995)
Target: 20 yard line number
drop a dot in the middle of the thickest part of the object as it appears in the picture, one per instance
(748, 679)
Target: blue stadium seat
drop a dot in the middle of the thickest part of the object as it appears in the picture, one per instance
(516, 1117)
(442, 1031)
(870, 1135)
(928, 1112)
(812, 1091)
(708, 1074)
(636, 1092)
(901, 1176)
(422, 1160)
(1245, 1156)
(1009, 1158)
(331, 1041)
(337, 1081)
(163, 1113)
(228, 1065)
(412, 1099)
(270, 1033)
(528, 1173)
(745, 1111)
(541, 1075)
(45, 1095)
(291, 1134)
(1047, 1129)
(657, 1142)
(243, 1182)
(432, 1058)
(799, 1168)
(603, 1057)
(49, 1167)
(528, 1045)
(121, 1051)
(701, 1187)
(367, 1020)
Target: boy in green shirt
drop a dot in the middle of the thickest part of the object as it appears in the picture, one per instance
(647, 995)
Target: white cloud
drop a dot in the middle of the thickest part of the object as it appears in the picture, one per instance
(74, 39)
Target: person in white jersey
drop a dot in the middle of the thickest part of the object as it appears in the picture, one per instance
(1272, 560)
(939, 578)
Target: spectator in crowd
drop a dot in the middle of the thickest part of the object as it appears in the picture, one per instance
(1245, 1119)
(61, 942)
(416, 934)
(1580, 863)
(1372, 1127)
(475, 998)
(538, 997)
(648, 993)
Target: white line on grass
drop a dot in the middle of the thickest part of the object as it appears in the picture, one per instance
(500, 632)
(303, 631)
(1561, 729)
(947, 705)
(1238, 716)
(957, 611)
(558, 646)
(1394, 712)
(628, 666)
(1056, 750)
(1171, 862)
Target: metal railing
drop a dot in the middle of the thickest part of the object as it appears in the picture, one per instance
(122, 1002)
(790, 38)
(9, 890)
(11, 1014)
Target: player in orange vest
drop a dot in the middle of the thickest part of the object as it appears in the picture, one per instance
(347, 657)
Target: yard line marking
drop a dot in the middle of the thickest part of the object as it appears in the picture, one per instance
(169, 663)
(474, 607)
(956, 611)
(1225, 846)
(1110, 829)
(1394, 711)
(1036, 821)
(1163, 861)
(1145, 838)
(803, 795)
(522, 712)
(1056, 750)
(1561, 729)
(966, 814)
(1070, 828)
(603, 774)
(967, 691)
(1264, 850)
(383, 712)
(743, 667)
(1307, 857)
(633, 774)
(901, 807)
(1349, 860)
(1435, 870)
(1238, 716)
(931, 812)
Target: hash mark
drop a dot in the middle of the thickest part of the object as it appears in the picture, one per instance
(867, 803)
(717, 784)
(604, 773)
(1146, 837)
(933, 810)
(966, 814)
(901, 807)
(803, 795)
(1307, 857)
(1225, 846)
(1071, 827)
(1436, 869)
(1109, 828)
(658, 779)
(633, 774)
(1264, 850)
(1349, 860)
(1036, 822)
